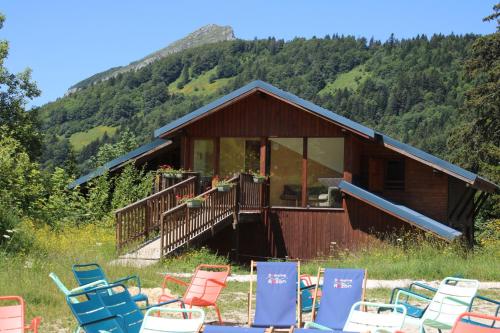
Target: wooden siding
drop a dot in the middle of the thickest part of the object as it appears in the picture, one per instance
(426, 189)
(261, 115)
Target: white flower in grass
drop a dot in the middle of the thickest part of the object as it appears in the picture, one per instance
(399, 240)
(10, 231)
(98, 244)
(6, 236)
(28, 264)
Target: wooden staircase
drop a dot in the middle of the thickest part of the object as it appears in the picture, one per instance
(177, 225)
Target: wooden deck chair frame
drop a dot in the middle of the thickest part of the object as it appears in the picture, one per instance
(321, 270)
(253, 266)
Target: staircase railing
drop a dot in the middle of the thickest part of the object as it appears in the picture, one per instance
(252, 194)
(138, 220)
(182, 224)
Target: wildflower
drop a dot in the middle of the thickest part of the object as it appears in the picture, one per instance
(10, 231)
(399, 240)
(98, 244)
(28, 264)
(6, 236)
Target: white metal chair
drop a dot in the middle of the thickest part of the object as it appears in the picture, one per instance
(159, 324)
(384, 322)
(452, 298)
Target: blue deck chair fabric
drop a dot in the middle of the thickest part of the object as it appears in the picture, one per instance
(341, 289)
(90, 273)
(276, 295)
(232, 329)
(94, 317)
(313, 330)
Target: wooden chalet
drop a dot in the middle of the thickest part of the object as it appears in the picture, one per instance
(332, 183)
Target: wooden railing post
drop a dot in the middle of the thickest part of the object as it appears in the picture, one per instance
(147, 218)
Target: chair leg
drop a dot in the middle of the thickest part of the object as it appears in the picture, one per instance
(218, 313)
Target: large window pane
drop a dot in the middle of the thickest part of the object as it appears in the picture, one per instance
(286, 171)
(325, 168)
(238, 155)
(204, 156)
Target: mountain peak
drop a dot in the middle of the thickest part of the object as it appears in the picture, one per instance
(210, 33)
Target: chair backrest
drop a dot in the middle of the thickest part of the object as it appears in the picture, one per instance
(443, 309)
(361, 321)
(120, 303)
(206, 284)
(341, 289)
(88, 273)
(276, 295)
(155, 323)
(485, 324)
(93, 316)
(12, 316)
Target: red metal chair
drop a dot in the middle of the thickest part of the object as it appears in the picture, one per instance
(468, 326)
(12, 317)
(203, 290)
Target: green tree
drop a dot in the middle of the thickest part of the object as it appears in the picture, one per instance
(16, 90)
(476, 144)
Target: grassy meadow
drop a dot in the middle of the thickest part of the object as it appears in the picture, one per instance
(27, 274)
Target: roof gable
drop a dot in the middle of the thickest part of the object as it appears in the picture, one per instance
(272, 90)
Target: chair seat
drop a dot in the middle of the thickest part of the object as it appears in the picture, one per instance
(140, 298)
(475, 323)
(313, 330)
(412, 310)
(232, 329)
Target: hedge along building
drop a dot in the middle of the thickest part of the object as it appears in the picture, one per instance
(330, 181)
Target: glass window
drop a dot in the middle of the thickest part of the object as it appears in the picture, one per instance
(204, 151)
(238, 155)
(325, 169)
(286, 171)
(395, 175)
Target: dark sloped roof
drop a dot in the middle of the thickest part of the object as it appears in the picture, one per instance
(255, 85)
(119, 161)
(402, 212)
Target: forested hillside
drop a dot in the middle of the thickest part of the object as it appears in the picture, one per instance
(411, 89)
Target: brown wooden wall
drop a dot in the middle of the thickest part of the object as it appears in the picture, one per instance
(426, 190)
(262, 115)
(309, 233)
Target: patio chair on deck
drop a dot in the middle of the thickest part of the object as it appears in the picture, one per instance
(341, 289)
(277, 305)
(203, 290)
(12, 316)
(452, 298)
(89, 273)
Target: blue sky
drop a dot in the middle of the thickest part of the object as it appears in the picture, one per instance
(66, 41)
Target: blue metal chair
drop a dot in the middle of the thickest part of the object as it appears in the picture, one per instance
(276, 299)
(93, 316)
(341, 289)
(89, 273)
(482, 299)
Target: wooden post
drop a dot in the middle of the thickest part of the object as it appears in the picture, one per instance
(188, 225)
(252, 263)
(304, 173)
(299, 305)
(162, 235)
(147, 217)
(316, 288)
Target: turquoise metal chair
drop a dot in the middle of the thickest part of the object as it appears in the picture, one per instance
(89, 273)
(93, 316)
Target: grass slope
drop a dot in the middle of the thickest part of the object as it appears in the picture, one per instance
(199, 85)
(350, 80)
(80, 139)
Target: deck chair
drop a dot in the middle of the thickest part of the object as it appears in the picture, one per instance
(93, 316)
(204, 289)
(89, 273)
(12, 318)
(469, 322)
(453, 297)
(341, 289)
(153, 323)
(277, 305)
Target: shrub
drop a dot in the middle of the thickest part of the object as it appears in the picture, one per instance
(14, 234)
